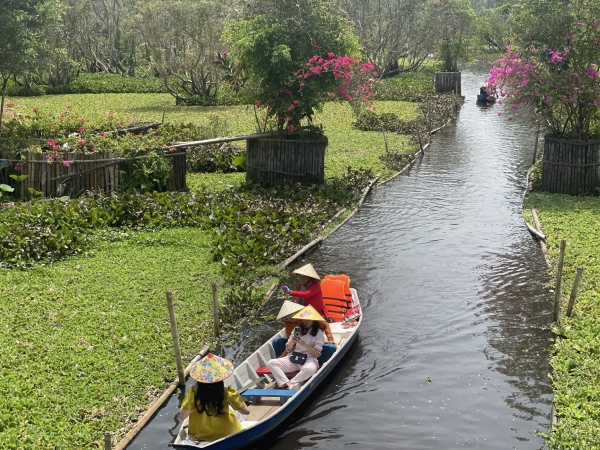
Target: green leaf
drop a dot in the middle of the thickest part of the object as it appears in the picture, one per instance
(239, 161)
(6, 188)
(19, 177)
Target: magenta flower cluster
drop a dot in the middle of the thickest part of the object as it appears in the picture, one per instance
(561, 86)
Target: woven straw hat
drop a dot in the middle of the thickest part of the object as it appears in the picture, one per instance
(308, 313)
(211, 369)
(288, 308)
(308, 271)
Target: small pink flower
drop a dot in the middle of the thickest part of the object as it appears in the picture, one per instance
(499, 113)
(10, 105)
(69, 107)
(36, 110)
(110, 113)
(67, 163)
(510, 118)
(81, 142)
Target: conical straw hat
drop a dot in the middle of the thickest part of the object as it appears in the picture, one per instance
(288, 308)
(211, 369)
(307, 270)
(308, 313)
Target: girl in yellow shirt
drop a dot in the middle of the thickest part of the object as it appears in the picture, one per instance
(207, 403)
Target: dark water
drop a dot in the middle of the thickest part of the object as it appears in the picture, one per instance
(453, 292)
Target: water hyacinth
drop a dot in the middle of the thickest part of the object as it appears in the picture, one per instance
(560, 85)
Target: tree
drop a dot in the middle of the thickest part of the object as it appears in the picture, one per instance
(275, 42)
(183, 39)
(454, 21)
(22, 42)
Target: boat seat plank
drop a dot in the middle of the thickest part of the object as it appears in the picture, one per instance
(266, 408)
(265, 371)
(282, 394)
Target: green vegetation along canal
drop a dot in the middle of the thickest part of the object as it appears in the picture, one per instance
(454, 291)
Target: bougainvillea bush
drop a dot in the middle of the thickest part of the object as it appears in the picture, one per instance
(294, 56)
(560, 85)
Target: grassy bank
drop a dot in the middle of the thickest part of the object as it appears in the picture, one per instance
(576, 359)
(88, 339)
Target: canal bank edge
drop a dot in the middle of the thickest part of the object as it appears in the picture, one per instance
(543, 247)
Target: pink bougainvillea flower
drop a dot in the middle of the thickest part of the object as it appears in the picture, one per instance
(110, 113)
(67, 163)
(36, 110)
(499, 113)
(81, 142)
(69, 107)
(510, 118)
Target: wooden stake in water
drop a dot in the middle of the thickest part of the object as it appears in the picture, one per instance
(215, 309)
(107, 441)
(561, 260)
(180, 373)
(574, 291)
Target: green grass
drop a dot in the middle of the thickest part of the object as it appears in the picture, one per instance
(576, 360)
(86, 342)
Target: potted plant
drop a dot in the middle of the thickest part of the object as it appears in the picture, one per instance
(560, 87)
(289, 53)
(456, 18)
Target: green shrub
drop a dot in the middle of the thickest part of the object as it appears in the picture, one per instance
(214, 158)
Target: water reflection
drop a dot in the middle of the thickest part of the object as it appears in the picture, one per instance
(453, 348)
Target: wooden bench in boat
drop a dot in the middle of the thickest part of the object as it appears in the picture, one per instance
(255, 394)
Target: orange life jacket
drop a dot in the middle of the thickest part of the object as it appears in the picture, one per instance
(336, 295)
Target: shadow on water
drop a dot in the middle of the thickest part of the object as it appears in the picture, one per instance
(453, 351)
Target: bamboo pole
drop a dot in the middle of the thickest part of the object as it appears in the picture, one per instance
(108, 441)
(417, 125)
(538, 227)
(574, 291)
(561, 260)
(537, 138)
(157, 404)
(429, 119)
(215, 296)
(535, 232)
(180, 373)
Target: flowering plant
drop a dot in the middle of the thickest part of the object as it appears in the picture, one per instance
(287, 50)
(560, 85)
(330, 78)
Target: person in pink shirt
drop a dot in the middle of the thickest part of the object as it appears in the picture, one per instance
(309, 290)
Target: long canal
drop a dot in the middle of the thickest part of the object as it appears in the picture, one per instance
(453, 351)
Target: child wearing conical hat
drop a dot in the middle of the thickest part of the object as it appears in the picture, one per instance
(207, 403)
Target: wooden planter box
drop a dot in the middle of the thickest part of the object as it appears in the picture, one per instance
(570, 166)
(277, 161)
(448, 82)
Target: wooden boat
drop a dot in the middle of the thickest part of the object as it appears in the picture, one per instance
(485, 98)
(270, 407)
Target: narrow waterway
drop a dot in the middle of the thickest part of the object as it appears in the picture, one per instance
(453, 351)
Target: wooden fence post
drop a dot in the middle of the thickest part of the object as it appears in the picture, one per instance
(107, 441)
(429, 120)
(574, 291)
(215, 309)
(561, 260)
(180, 373)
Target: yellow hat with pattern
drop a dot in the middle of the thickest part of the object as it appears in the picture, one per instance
(211, 369)
(308, 313)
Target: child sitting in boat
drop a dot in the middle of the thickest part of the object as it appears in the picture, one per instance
(309, 290)
(207, 403)
(303, 351)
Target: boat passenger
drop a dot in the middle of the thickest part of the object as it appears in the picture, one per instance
(288, 309)
(309, 290)
(207, 403)
(304, 348)
(483, 90)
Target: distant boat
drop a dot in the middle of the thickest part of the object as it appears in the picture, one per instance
(270, 407)
(485, 98)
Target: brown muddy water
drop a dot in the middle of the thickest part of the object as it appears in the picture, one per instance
(453, 350)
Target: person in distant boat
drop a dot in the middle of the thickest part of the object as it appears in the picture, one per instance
(207, 403)
(309, 290)
(483, 90)
(304, 349)
(288, 309)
